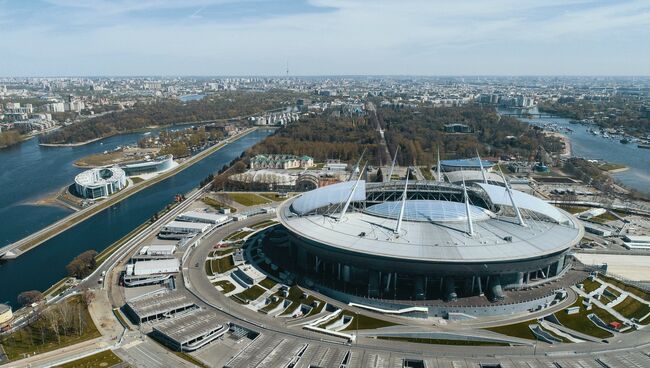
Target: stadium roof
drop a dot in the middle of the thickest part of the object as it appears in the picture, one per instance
(466, 162)
(329, 195)
(499, 196)
(433, 230)
(429, 211)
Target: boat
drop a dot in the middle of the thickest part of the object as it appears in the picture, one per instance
(625, 141)
(644, 146)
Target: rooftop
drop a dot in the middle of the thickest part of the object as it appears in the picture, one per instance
(190, 325)
(159, 303)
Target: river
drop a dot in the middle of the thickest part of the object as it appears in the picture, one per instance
(590, 146)
(29, 172)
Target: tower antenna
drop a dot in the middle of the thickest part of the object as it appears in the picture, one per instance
(392, 166)
(347, 203)
(481, 165)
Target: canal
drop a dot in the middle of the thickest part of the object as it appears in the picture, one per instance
(41, 267)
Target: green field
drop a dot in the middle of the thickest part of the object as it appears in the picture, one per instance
(226, 285)
(39, 337)
(629, 288)
(251, 293)
(590, 286)
(520, 330)
(363, 322)
(632, 308)
(221, 265)
(105, 359)
(579, 322)
(273, 196)
(268, 283)
(247, 199)
(237, 235)
(263, 224)
(216, 204)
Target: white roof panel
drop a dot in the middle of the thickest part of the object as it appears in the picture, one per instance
(499, 196)
(329, 195)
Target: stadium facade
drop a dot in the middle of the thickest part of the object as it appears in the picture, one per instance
(422, 241)
(100, 182)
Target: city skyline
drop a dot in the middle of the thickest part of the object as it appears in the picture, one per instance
(324, 37)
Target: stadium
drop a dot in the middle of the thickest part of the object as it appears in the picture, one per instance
(420, 241)
(100, 182)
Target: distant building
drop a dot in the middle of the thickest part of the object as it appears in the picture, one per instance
(458, 128)
(281, 162)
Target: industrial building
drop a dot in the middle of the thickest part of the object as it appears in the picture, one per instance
(150, 271)
(100, 182)
(203, 217)
(157, 306)
(182, 229)
(424, 240)
(190, 331)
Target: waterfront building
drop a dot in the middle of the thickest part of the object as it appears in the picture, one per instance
(100, 182)
(159, 164)
(6, 315)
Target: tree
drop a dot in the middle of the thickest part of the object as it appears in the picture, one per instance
(29, 297)
(82, 265)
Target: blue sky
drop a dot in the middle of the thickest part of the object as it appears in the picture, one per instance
(324, 37)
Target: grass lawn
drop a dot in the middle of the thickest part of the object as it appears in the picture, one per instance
(226, 285)
(237, 235)
(632, 308)
(221, 252)
(520, 330)
(590, 286)
(269, 307)
(247, 199)
(137, 180)
(104, 359)
(363, 322)
(262, 224)
(30, 340)
(629, 288)
(221, 265)
(268, 283)
(579, 321)
(216, 204)
(273, 196)
(419, 340)
(605, 217)
(251, 293)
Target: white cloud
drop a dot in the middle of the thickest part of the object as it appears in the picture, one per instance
(352, 36)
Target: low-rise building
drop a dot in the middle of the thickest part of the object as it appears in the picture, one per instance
(281, 161)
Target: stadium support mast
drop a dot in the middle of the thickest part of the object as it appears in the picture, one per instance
(356, 166)
(347, 203)
(439, 172)
(392, 166)
(520, 219)
(481, 165)
(401, 210)
(470, 225)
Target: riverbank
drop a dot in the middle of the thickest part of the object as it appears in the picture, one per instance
(20, 247)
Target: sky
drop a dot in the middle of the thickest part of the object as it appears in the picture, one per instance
(324, 37)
